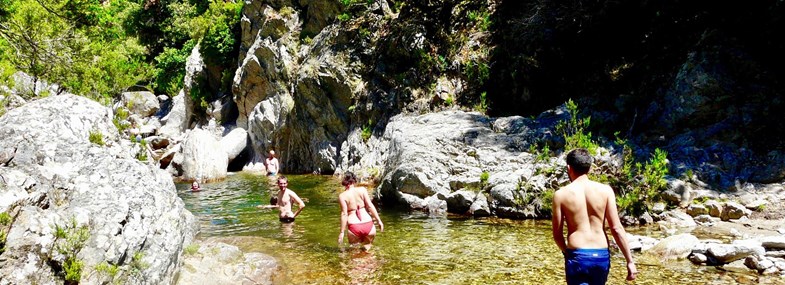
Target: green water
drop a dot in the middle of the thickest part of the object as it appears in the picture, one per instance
(413, 249)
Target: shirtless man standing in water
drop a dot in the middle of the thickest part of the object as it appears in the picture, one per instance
(285, 199)
(585, 205)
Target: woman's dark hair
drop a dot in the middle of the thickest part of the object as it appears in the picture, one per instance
(348, 178)
(579, 160)
(273, 200)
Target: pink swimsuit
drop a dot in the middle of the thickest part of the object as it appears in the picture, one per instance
(361, 230)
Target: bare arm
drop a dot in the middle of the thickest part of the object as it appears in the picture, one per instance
(557, 223)
(299, 202)
(369, 205)
(619, 235)
(344, 219)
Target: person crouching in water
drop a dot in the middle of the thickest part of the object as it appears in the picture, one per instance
(285, 199)
(195, 186)
(355, 208)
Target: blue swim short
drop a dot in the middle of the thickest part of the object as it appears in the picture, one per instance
(587, 266)
(271, 173)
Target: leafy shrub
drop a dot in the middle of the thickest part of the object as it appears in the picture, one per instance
(343, 17)
(191, 249)
(69, 241)
(638, 185)
(5, 219)
(170, 69)
(367, 131)
(540, 155)
(110, 270)
(97, 137)
(575, 130)
(484, 179)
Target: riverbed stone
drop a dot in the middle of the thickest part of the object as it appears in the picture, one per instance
(696, 210)
(714, 208)
(435, 206)
(733, 210)
(698, 258)
(219, 263)
(677, 218)
(480, 207)
(675, 247)
(460, 201)
(143, 103)
(726, 253)
(773, 242)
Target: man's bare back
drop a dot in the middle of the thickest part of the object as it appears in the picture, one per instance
(585, 205)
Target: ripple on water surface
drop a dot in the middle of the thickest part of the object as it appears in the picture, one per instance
(414, 248)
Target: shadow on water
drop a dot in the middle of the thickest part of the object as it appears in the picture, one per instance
(413, 249)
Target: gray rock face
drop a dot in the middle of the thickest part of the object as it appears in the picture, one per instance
(435, 153)
(58, 177)
(174, 122)
(202, 158)
(143, 103)
(234, 142)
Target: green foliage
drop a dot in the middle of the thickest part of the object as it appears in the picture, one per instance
(481, 19)
(119, 120)
(482, 106)
(484, 179)
(367, 131)
(97, 137)
(137, 265)
(638, 184)
(575, 130)
(547, 201)
(343, 17)
(449, 101)
(3, 237)
(540, 155)
(78, 44)
(69, 241)
(107, 269)
(286, 11)
(170, 68)
(142, 154)
(5, 219)
(191, 249)
(477, 72)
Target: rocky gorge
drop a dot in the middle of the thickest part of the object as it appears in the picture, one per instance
(389, 94)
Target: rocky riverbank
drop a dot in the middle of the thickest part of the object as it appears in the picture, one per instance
(80, 205)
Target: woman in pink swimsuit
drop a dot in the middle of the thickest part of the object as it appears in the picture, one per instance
(355, 208)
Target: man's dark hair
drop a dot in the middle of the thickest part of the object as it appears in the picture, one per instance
(579, 160)
(349, 178)
(282, 178)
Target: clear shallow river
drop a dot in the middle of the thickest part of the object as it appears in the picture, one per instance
(413, 249)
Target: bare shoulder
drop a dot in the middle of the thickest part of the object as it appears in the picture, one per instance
(603, 188)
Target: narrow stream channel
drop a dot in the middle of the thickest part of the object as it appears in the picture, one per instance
(414, 248)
